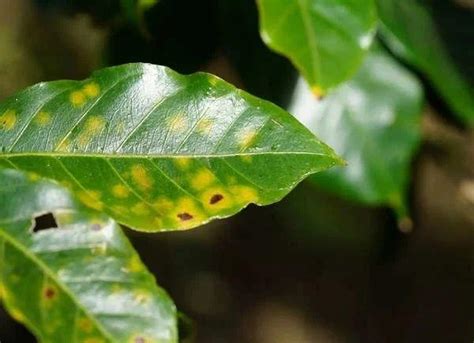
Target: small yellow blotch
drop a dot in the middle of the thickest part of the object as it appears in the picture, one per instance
(99, 249)
(163, 205)
(246, 158)
(85, 324)
(205, 126)
(203, 179)
(141, 209)
(187, 213)
(93, 340)
(317, 92)
(120, 191)
(3, 292)
(77, 98)
(141, 177)
(91, 90)
(8, 120)
(64, 146)
(120, 210)
(134, 265)
(244, 194)
(93, 126)
(142, 296)
(177, 124)
(43, 118)
(246, 137)
(91, 199)
(33, 176)
(182, 162)
(216, 199)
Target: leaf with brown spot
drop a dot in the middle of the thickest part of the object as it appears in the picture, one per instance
(77, 282)
(130, 138)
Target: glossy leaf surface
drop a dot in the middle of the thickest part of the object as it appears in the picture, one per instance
(325, 39)
(157, 150)
(373, 122)
(411, 32)
(79, 282)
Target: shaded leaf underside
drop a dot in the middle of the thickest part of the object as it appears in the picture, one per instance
(157, 150)
(373, 121)
(80, 282)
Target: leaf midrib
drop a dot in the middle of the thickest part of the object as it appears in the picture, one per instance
(47, 271)
(119, 156)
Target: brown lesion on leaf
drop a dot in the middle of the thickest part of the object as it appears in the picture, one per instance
(49, 292)
(185, 216)
(140, 340)
(216, 198)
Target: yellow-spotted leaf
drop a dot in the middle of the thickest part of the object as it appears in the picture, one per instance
(325, 39)
(157, 150)
(80, 281)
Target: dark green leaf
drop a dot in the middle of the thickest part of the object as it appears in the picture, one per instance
(410, 31)
(80, 282)
(157, 150)
(326, 40)
(373, 122)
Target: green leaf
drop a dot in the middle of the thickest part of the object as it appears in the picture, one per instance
(325, 39)
(401, 22)
(157, 150)
(79, 282)
(373, 121)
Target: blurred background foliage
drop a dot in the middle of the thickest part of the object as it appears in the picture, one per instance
(320, 266)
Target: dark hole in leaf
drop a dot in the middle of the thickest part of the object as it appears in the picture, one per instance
(49, 293)
(45, 222)
(185, 216)
(216, 198)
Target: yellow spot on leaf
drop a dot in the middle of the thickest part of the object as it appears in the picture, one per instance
(163, 205)
(246, 158)
(91, 90)
(205, 126)
(120, 191)
(142, 296)
(8, 120)
(177, 124)
(134, 265)
(3, 293)
(182, 162)
(246, 137)
(33, 176)
(216, 199)
(91, 199)
(141, 177)
(93, 126)
(93, 340)
(244, 194)
(64, 146)
(187, 213)
(43, 118)
(317, 92)
(85, 325)
(141, 209)
(203, 179)
(77, 98)
(99, 249)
